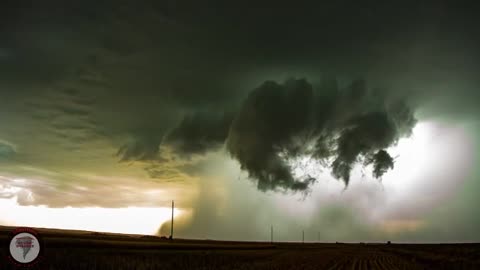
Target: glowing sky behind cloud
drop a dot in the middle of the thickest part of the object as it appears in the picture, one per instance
(407, 194)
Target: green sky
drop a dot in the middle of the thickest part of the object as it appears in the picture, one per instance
(215, 105)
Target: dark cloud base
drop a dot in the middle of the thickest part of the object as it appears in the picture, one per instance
(338, 127)
(277, 122)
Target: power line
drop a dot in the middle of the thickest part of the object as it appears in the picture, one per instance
(171, 226)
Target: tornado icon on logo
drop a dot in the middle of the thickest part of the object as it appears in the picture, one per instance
(24, 246)
(25, 243)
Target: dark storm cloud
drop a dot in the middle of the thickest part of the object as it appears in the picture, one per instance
(269, 119)
(122, 82)
(278, 122)
(200, 132)
(61, 66)
(147, 65)
(66, 113)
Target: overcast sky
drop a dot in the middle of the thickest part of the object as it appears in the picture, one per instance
(358, 121)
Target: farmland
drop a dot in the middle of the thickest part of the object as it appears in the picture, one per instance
(86, 250)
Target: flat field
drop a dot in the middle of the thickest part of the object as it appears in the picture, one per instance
(72, 250)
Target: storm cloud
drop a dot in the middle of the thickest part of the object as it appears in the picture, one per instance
(337, 126)
(104, 101)
(200, 132)
(277, 123)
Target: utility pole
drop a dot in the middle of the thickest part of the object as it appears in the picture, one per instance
(303, 236)
(171, 226)
(271, 234)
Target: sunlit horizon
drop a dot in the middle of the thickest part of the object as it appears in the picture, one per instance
(128, 220)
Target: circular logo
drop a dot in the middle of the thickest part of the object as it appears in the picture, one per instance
(25, 246)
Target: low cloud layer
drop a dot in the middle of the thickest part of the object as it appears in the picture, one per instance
(337, 127)
(200, 132)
